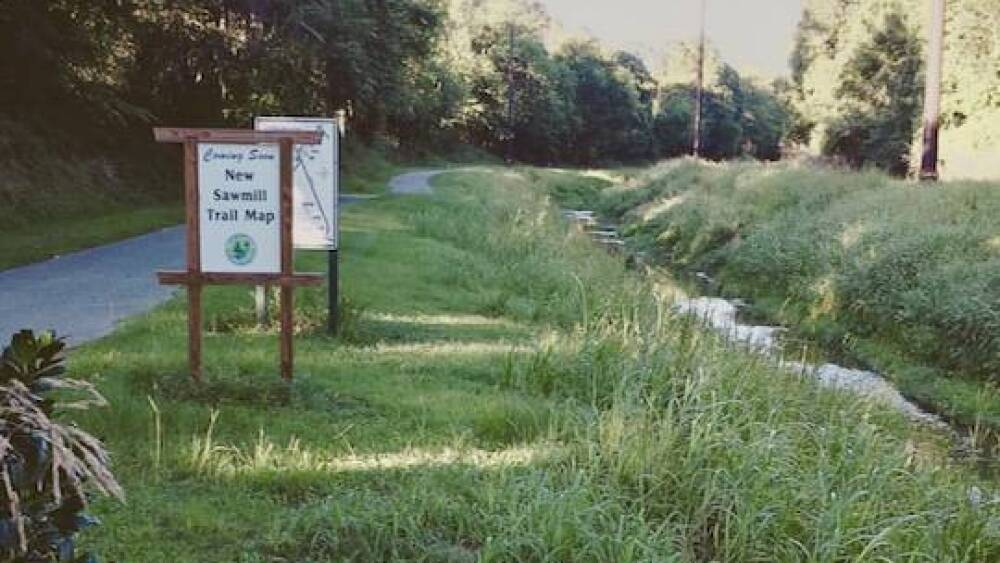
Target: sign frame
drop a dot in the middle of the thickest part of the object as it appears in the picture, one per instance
(193, 278)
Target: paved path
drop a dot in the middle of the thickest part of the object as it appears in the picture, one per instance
(414, 183)
(84, 294)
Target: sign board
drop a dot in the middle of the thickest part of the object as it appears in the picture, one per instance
(315, 180)
(239, 191)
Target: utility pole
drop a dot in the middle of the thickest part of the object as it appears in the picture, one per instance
(932, 92)
(700, 86)
(510, 92)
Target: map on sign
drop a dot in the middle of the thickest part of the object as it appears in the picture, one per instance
(315, 178)
(239, 207)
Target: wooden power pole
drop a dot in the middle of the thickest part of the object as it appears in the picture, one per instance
(700, 86)
(510, 92)
(932, 92)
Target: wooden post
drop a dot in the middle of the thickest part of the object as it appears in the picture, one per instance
(287, 259)
(194, 278)
(193, 258)
(932, 92)
(699, 86)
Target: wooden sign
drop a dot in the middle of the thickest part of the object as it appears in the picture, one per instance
(238, 197)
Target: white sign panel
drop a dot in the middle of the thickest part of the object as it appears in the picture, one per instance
(239, 191)
(316, 176)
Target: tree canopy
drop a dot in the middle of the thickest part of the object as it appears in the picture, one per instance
(421, 73)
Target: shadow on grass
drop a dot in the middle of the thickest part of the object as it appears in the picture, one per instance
(249, 389)
(292, 473)
(443, 328)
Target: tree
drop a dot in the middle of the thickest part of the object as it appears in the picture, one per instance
(614, 111)
(830, 36)
(880, 94)
(741, 118)
(58, 60)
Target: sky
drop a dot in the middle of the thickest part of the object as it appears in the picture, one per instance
(753, 35)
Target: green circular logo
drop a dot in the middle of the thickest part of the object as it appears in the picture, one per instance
(241, 249)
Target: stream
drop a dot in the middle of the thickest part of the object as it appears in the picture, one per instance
(723, 316)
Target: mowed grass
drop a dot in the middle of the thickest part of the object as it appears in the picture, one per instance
(57, 236)
(502, 391)
(62, 191)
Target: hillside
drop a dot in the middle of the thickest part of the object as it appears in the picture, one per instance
(66, 187)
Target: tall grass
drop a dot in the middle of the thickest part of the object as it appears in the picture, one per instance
(913, 267)
(539, 270)
(518, 397)
(743, 462)
(724, 456)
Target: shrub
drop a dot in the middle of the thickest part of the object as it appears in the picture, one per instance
(45, 466)
(35, 361)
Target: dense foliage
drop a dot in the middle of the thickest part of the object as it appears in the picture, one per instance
(424, 73)
(741, 117)
(857, 69)
(428, 74)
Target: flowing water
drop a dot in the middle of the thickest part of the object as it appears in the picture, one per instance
(722, 316)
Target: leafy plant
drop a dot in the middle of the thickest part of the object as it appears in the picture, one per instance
(35, 361)
(45, 466)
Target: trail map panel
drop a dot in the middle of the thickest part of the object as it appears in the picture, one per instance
(239, 205)
(315, 180)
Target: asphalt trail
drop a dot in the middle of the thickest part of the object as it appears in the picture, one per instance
(83, 295)
(414, 183)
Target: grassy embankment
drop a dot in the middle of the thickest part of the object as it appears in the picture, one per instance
(502, 391)
(896, 276)
(58, 195)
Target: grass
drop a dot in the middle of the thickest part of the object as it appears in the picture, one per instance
(884, 274)
(502, 391)
(62, 190)
(59, 236)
